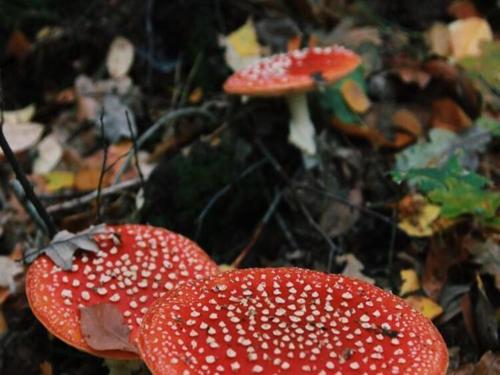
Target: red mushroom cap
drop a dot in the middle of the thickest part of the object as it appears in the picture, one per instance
(285, 73)
(136, 264)
(287, 320)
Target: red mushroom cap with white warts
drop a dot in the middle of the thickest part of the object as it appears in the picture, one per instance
(136, 265)
(287, 320)
(290, 72)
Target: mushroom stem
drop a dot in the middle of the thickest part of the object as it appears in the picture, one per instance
(301, 127)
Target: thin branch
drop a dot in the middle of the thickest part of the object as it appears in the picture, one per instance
(334, 249)
(166, 119)
(343, 201)
(103, 169)
(258, 229)
(133, 137)
(80, 201)
(192, 73)
(199, 220)
(21, 176)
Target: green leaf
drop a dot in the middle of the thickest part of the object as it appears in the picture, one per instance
(485, 65)
(332, 100)
(457, 190)
(489, 124)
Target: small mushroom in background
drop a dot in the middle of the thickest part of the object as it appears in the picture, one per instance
(292, 75)
(287, 320)
(135, 265)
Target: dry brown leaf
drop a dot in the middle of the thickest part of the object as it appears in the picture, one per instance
(406, 120)
(462, 9)
(354, 96)
(467, 35)
(103, 328)
(3, 323)
(489, 364)
(88, 179)
(120, 57)
(46, 368)
(449, 115)
(18, 45)
(337, 218)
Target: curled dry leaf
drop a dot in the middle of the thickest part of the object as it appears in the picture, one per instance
(120, 57)
(64, 245)
(103, 328)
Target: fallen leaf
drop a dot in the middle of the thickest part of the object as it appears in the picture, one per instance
(64, 245)
(87, 179)
(22, 136)
(462, 9)
(58, 180)
(337, 218)
(103, 328)
(355, 96)
(489, 364)
(425, 305)
(120, 57)
(46, 368)
(410, 281)
(3, 323)
(447, 114)
(417, 216)
(487, 254)
(438, 39)
(467, 35)
(486, 65)
(242, 47)
(405, 120)
(18, 45)
(50, 152)
(9, 269)
(19, 116)
(354, 268)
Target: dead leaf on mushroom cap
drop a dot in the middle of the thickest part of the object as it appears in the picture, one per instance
(103, 328)
(64, 245)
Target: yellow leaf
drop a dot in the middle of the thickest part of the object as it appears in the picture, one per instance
(420, 224)
(425, 305)
(58, 180)
(355, 96)
(244, 40)
(410, 282)
(467, 35)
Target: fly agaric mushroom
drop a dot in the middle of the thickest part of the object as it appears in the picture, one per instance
(292, 75)
(287, 320)
(135, 265)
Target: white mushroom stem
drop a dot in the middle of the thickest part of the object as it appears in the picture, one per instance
(302, 131)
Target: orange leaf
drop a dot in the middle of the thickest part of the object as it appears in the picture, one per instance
(355, 96)
(449, 115)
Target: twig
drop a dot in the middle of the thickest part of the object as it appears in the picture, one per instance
(343, 201)
(166, 119)
(21, 176)
(189, 79)
(334, 249)
(258, 230)
(133, 137)
(84, 199)
(103, 170)
(284, 228)
(225, 190)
